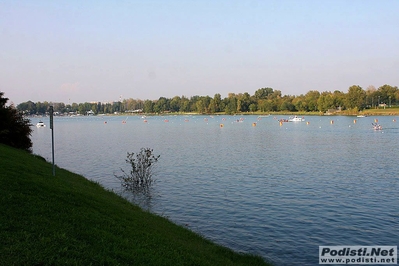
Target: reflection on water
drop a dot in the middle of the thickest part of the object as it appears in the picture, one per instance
(277, 191)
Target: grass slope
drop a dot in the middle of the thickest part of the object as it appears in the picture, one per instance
(67, 219)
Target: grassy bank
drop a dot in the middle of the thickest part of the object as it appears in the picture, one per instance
(46, 220)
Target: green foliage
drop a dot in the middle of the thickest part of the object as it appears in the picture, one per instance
(265, 99)
(69, 220)
(355, 98)
(263, 93)
(15, 130)
(139, 179)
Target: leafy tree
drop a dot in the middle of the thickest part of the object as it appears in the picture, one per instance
(75, 107)
(338, 99)
(15, 130)
(300, 103)
(148, 106)
(355, 98)
(238, 103)
(287, 105)
(263, 93)
(184, 104)
(217, 100)
(311, 100)
(41, 108)
(387, 93)
(200, 106)
(212, 106)
(28, 108)
(267, 106)
(231, 104)
(253, 107)
(161, 105)
(325, 102)
(243, 102)
(175, 104)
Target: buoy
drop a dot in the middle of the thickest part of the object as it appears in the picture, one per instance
(332, 122)
(145, 121)
(166, 120)
(221, 125)
(254, 124)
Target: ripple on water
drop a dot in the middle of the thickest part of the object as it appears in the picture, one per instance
(279, 192)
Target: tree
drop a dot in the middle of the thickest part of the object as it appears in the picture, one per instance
(387, 93)
(28, 107)
(339, 99)
(263, 93)
(243, 102)
(252, 107)
(311, 100)
(217, 101)
(212, 107)
(148, 106)
(200, 106)
(355, 98)
(300, 103)
(161, 105)
(287, 106)
(267, 106)
(175, 104)
(184, 104)
(231, 104)
(15, 130)
(325, 102)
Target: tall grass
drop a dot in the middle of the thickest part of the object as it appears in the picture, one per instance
(69, 220)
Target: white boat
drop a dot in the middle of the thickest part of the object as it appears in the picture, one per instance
(296, 119)
(362, 116)
(40, 124)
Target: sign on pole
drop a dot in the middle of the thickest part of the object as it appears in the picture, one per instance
(52, 135)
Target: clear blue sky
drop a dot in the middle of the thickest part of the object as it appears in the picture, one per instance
(77, 51)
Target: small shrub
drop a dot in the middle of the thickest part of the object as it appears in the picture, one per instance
(142, 169)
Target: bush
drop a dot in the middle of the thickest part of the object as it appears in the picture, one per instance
(15, 130)
(139, 179)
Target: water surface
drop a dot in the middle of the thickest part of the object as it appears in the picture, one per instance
(276, 191)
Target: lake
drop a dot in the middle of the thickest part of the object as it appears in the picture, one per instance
(276, 191)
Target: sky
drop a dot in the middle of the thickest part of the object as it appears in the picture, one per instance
(103, 51)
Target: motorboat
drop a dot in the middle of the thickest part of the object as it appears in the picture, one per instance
(40, 124)
(362, 116)
(296, 119)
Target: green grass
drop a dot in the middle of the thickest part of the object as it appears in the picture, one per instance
(69, 220)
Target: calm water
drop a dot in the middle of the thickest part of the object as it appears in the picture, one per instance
(276, 191)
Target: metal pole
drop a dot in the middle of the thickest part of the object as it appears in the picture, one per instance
(52, 135)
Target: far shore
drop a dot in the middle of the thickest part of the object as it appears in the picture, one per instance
(392, 111)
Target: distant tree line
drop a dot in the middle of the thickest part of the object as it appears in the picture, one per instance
(263, 100)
